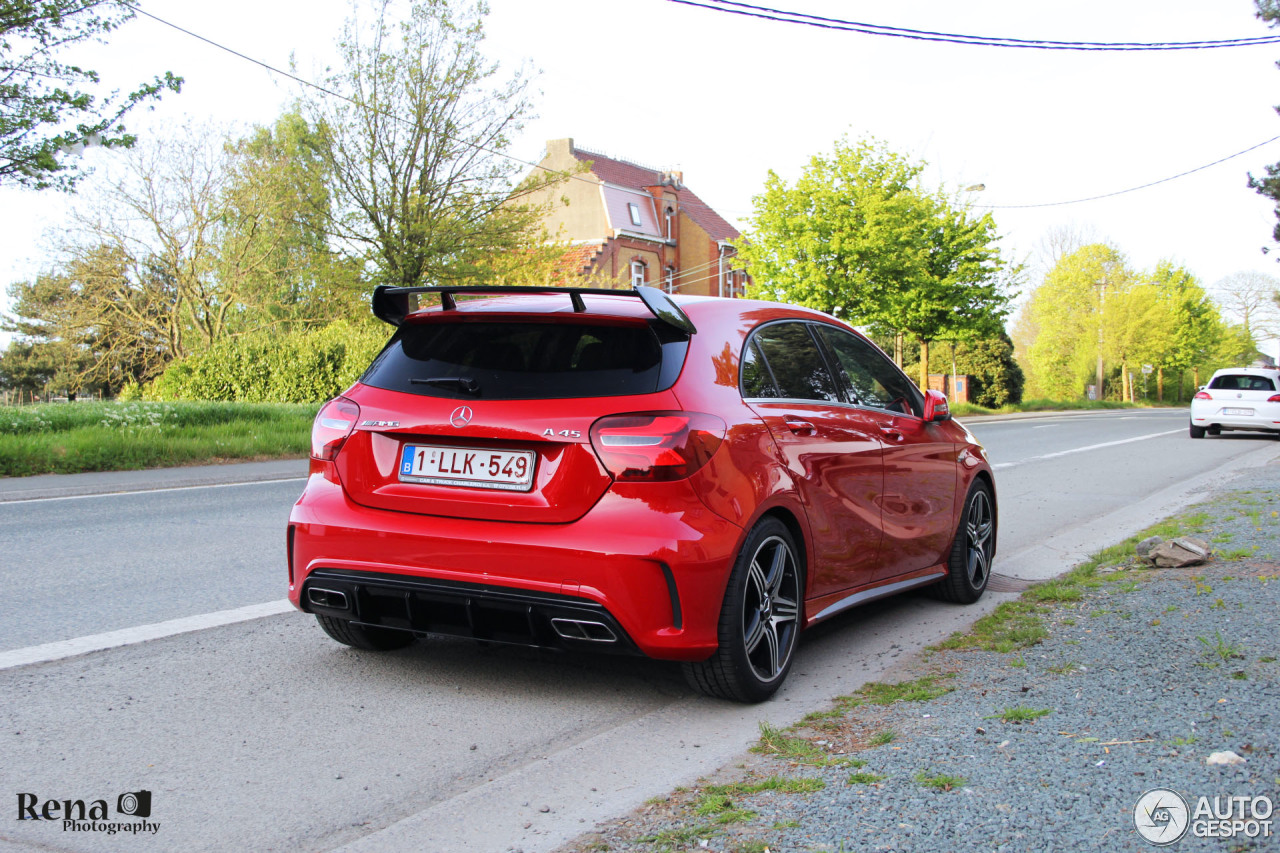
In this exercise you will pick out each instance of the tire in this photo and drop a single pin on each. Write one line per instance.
(759, 619)
(969, 567)
(1197, 432)
(364, 637)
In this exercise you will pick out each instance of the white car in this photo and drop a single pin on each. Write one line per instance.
(1246, 398)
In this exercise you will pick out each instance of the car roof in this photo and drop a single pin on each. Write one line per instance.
(1269, 372)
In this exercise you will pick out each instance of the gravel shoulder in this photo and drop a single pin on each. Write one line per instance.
(1038, 730)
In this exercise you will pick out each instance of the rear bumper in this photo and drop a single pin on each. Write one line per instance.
(1267, 422)
(648, 564)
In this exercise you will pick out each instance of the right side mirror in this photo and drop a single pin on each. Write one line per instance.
(936, 408)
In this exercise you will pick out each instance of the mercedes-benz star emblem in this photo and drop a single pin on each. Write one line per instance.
(461, 416)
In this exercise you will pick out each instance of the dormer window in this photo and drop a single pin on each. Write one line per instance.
(635, 214)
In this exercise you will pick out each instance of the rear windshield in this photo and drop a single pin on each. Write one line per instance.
(528, 360)
(1241, 382)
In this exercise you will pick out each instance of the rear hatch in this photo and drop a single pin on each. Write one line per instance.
(488, 416)
(1240, 394)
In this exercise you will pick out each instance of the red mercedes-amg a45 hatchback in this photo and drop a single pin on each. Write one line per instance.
(692, 479)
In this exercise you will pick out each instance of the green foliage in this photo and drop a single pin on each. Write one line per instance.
(857, 237)
(996, 379)
(301, 366)
(1092, 304)
(51, 108)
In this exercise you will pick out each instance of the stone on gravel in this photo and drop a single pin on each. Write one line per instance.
(1144, 547)
(1225, 759)
(1179, 553)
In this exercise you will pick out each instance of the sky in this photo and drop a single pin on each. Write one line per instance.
(728, 99)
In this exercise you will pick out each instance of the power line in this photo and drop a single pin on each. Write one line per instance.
(1131, 189)
(330, 92)
(783, 16)
(796, 18)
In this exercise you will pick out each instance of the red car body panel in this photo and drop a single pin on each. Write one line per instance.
(873, 498)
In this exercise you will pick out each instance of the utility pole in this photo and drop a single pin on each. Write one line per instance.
(1102, 302)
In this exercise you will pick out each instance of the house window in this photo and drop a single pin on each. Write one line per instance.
(669, 279)
(635, 213)
(638, 269)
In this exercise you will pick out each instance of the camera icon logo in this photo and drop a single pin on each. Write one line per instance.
(134, 803)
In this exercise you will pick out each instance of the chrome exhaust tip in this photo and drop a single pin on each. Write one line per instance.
(581, 629)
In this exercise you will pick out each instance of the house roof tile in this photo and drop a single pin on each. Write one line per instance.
(614, 171)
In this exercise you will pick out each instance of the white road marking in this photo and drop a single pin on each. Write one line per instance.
(17, 498)
(138, 634)
(1061, 453)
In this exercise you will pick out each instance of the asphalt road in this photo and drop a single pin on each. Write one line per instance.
(264, 735)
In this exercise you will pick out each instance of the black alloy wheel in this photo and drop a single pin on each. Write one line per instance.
(972, 550)
(759, 619)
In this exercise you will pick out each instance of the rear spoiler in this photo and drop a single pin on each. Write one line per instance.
(393, 304)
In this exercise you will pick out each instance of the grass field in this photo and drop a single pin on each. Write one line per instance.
(67, 438)
(962, 409)
(63, 438)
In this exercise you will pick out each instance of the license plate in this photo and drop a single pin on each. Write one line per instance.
(480, 468)
(1237, 411)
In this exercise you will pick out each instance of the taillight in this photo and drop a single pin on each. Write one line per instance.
(1274, 398)
(656, 446)
(1204, 395)
(334, 422)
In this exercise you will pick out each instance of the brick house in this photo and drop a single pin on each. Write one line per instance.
(627, 224)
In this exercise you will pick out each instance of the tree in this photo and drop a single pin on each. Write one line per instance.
(1066, 311)
(50, 107)
(279, 204)
(193, 240)
(1254, 298)
(857, 237)
(414, 143)
(995, 378)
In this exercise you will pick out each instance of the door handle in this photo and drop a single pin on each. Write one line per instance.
(800, 427)
(891, 432)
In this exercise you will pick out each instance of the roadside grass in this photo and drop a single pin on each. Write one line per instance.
(1020, 714)
(1014, 625)
(1041, 405)
(1019, 624)
(940, 781)
(879, 693)
(68, 438)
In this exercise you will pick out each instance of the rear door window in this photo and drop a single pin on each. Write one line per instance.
(793, 366)
(527, 360)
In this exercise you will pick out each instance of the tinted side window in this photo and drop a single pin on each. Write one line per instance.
(756, 380)
(869, 378)
(796, 363)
